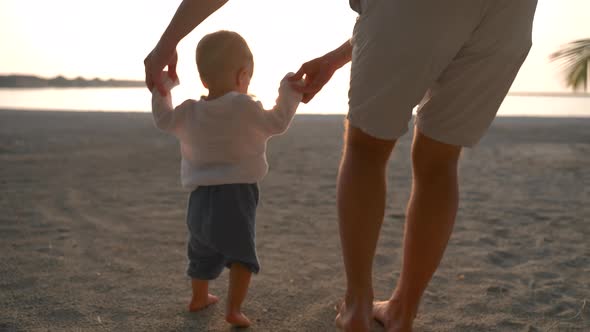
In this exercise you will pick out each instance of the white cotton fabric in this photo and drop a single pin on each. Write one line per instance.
(223, 141)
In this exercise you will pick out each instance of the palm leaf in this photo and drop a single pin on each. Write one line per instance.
(575, 57)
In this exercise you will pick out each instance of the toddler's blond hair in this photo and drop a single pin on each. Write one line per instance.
(220, 55)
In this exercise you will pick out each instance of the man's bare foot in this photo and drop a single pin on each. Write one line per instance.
(384, 312)
(352, 319)
(198, 304)
(237, 319)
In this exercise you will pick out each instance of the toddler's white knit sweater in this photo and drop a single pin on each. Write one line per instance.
(223, 140)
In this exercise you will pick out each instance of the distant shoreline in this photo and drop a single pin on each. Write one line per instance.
(35, 82)
(141, 84)
(550, 94)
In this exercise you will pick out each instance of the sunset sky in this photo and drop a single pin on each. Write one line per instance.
(110, 38)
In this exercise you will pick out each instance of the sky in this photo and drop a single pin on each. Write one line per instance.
(110, 38)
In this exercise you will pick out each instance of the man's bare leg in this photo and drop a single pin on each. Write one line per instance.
(429, 222)
(239, 280)
(361, 206)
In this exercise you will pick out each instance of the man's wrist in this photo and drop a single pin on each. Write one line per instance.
(340, 56)
(166, 45)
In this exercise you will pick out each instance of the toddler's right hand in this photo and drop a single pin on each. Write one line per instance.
(167, 83)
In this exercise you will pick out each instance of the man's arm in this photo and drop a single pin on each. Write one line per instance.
(319, 71)
(189, 14)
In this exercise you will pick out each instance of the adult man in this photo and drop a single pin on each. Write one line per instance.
(457, 60)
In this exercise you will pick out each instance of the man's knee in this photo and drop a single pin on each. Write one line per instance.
(366, 147)
(431, 158)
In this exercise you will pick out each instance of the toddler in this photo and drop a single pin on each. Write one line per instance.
(223, 146)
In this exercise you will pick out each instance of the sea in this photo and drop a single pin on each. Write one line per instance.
(138, 100)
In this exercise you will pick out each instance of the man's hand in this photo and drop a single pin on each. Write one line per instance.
(189, 14)
(155, 63)
(317, 73)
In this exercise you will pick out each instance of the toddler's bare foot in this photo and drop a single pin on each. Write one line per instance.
(201, 303)
(237, 319)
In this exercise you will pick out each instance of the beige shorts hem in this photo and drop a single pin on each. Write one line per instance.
(445, 137)
(385, 133)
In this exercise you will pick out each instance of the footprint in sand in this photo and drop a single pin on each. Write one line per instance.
(397, 216)
(509, 325)
(63, 234)
(504, 258)
(19, 285)
(545, 275)
(50, 250)
(497, 290)
(487, 241)
(8, 327)
(562, 309)
(383, 260)
(66, 315)
(501, 232)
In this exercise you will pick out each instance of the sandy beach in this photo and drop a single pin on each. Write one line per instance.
(92, 229)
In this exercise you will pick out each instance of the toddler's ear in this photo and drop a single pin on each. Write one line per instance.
(204, 84)
(244, 77)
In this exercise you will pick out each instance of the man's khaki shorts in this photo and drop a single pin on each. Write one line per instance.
(456, 59)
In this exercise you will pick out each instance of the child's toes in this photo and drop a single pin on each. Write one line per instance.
(238, 319)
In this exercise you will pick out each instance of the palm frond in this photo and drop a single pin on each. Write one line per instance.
(575, 57)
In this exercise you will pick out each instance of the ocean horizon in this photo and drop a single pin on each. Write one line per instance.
(550, 104)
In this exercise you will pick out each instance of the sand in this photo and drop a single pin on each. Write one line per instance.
(92, 229)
